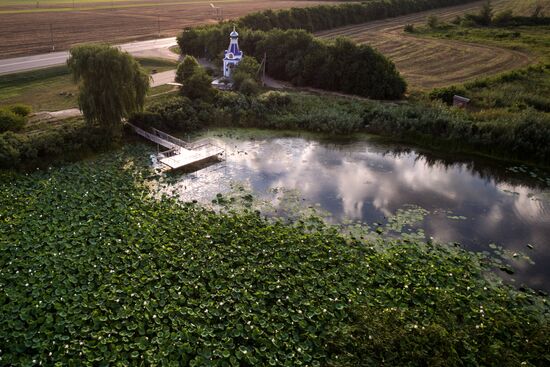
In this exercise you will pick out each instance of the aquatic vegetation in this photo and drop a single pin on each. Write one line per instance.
(95, 270)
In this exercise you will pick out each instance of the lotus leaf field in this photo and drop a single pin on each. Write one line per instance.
(94, 270)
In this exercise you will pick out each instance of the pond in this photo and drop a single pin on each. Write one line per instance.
(480, 203)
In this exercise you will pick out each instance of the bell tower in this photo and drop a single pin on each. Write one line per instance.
(233, 55)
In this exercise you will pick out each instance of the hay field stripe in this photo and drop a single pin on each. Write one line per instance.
(429, 62)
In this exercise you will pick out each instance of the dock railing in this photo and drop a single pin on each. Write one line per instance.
(205, 143)
(188, 152)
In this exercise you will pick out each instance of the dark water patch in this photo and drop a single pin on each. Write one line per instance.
(472, 201)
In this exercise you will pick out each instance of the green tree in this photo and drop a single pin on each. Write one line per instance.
(186, 69)
(190, 43)
(250, 66)
(196, 83)
(246, 76)
(198, 86)
(486, 13)
(112, 84)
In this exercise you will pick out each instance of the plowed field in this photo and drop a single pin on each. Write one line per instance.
(427, 63)
(26, 30)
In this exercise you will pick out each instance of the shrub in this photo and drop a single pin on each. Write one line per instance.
(433, 21)
(522, 136)
(446, 94)
(9, 149)
(20, 109)
(409, 28)
(485, 16)
(146, 120)
(457, 20)
(274, 100)
(503, 18)
(248, 86)
(11, 121)
(68, 139)
(175, 114)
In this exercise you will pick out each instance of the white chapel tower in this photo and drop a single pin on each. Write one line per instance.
(232, 55)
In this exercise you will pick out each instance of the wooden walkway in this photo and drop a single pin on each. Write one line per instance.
(180, 153)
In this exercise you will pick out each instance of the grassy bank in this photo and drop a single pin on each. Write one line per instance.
(53, 89)
(117, 277)
(508, 113)
(522, 136)
(509, 94)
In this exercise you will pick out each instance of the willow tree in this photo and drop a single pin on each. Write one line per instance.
(112, 84)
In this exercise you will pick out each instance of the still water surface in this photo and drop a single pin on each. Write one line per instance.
(472, 201)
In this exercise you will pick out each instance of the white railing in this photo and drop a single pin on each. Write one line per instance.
(154, 138)
(170, 138)
(188, 152)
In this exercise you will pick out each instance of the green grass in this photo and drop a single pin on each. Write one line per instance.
(513, 92)
(44, 90)
(53, 89)
(95, 270)
(509, 114)
(534, 39)
(176, 50)
(160, 65)
(161, 89)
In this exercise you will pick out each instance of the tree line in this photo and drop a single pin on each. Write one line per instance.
(324, 17)
(296, 56)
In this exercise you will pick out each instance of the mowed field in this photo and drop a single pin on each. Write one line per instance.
(26, 29)
(427, 63)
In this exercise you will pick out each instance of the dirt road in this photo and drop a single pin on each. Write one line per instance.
(428, 63)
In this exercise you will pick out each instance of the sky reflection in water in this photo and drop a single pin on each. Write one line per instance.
(367, 181)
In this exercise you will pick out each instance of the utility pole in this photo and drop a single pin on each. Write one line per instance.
(219, 12)
(261, 69)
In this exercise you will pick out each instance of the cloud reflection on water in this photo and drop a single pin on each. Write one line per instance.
(367, 182)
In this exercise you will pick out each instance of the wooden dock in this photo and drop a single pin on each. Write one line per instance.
(181, 154)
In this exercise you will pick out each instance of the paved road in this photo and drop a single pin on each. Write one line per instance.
(157, 47)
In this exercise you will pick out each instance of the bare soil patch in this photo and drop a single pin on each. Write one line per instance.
(29, 33)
